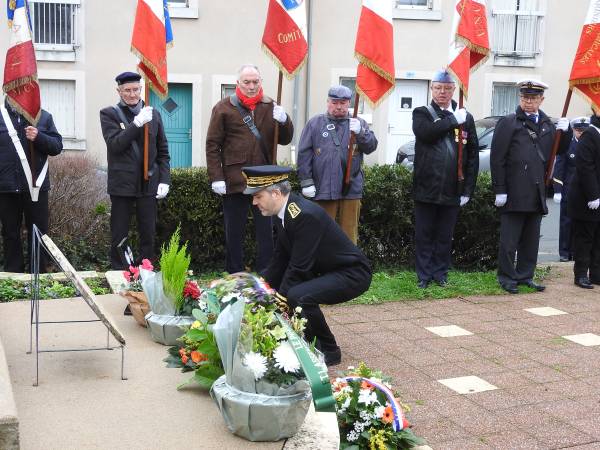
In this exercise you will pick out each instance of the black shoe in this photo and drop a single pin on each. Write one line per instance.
(533, 285)
(422, 284)
(564, 259)
(442, 283)
(127, 311)
(584, 282)
(510, 288)
(332, 357)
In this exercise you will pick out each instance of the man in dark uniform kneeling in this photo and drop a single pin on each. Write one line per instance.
(314, 261)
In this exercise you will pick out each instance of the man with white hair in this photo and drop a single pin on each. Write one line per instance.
(241, 133)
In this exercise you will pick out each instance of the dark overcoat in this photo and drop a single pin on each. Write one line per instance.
(586, 182)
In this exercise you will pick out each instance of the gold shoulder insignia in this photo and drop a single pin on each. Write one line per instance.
(294, 210)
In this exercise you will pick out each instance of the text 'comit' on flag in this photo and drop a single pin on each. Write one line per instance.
(284, 38)
(20, 69)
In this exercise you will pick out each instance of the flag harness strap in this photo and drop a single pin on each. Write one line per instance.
(249, 121)
(34, 190)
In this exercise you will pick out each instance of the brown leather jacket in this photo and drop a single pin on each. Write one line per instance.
(230, 145)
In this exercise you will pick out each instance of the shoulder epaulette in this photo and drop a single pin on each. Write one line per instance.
(294, 210)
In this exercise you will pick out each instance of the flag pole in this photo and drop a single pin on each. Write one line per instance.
(276, 133)
(461, 176)
(147, 97)
(346, 186)
(557, 136)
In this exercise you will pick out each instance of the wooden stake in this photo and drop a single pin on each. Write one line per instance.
(346, 186)
(276, 133)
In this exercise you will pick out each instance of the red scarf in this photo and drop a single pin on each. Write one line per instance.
(249, 102)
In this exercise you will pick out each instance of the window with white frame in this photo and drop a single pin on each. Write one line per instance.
(58, 98)
(517, 28)
(54, 24)
(417, 9)
(227, 90)
(505, 98)
(187, 9)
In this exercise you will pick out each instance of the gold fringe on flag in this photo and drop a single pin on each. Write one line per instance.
(379, 71)
(163, 88)
(280, 66)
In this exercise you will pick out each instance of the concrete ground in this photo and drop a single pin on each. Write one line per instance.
(81, 402)
(523, 378)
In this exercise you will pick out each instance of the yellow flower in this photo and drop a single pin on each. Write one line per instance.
(196, 324)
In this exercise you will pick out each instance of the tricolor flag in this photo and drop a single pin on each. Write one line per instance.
(585, 74)
(284, 38)
(152, 34)
(374, 49)
(20, 69)
(469, 40)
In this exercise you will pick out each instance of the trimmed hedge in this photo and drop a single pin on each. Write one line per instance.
(386, 232)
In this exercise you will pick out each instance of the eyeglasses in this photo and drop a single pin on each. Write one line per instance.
(533, 99)
(443, 88)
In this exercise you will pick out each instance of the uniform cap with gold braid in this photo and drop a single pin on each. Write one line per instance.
(260, 177)
(530, 86)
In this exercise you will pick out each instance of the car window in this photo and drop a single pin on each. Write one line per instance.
(486, 139)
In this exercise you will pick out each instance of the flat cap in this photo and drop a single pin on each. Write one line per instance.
(531, 86)
(260, 177)
(127, 77)
(442, 76)
(339, 93)
(580, 122)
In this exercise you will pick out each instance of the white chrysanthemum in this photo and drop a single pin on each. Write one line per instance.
(285, 358)
(257, 364)
(367, 397)
(379, 412)
(352, 436)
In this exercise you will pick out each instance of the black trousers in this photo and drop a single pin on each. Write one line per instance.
(235, 215)
(13, 207)
(434, 228)
(586, 243)
(565, 238)
(328, 289)
(520, 235)
(121, 211)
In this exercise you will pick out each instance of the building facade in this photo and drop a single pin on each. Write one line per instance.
(82, 44)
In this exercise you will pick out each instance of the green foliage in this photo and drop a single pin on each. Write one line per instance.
(49, 288)
(174, 266)
(386, 230)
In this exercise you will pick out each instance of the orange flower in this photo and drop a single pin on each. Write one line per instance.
(197, 356)
(339, 386)
(181, 351)
(388, 415)
(184, 359)
(366, 385)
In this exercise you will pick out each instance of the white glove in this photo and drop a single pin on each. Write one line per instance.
(279, 113)
(309, 191)
(460, 115)
(162, 191)
(144, 116)
(563, 124)
(464, 200)
(557, 197)
(500, 200)
(594, 204)
(219, 187)
(355, 125)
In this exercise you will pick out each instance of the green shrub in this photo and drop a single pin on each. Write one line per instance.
(386, 231)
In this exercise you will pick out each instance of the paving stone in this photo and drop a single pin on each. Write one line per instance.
(559, 435)
(515, 440)
(462, 444)
(586, 339)
(449, 331)
(543, 374)
(545, 311)
(468, 384)
(439, 430)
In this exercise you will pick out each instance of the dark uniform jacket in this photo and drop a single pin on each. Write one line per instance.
(125, 162)
(323, 163)
(309, 244)
(47, 143)
(435, 176)
(230, 145)
(564, 169)
(586, 183)
(519, 155)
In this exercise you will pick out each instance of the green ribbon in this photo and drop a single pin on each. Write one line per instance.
(315, 370)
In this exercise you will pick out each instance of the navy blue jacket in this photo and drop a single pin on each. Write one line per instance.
(47, 143)
(564, 169)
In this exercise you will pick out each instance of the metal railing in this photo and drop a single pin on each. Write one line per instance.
(54, 24)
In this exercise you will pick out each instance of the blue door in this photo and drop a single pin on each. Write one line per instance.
(176, 112)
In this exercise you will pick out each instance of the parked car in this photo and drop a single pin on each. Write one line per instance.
(485, 131)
